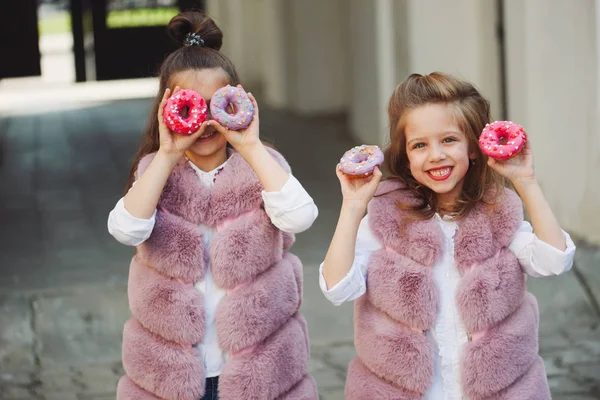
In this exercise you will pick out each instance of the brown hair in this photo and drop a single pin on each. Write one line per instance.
(184, 58)
(471, 112)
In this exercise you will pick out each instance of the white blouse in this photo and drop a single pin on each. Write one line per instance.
(536, 257)
(291, 210)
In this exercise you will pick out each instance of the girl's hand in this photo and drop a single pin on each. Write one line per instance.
(172, 143)
(358, 191)
(519, 169)
(242, 139)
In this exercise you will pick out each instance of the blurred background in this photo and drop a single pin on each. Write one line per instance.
(76, 84)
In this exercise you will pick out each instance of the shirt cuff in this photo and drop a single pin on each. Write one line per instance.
(291, 209)
(291, 196)
(351, 287)
(558, 261)
(126, 228)
(539, 258)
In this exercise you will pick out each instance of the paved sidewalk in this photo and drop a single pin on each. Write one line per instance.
(63, 287)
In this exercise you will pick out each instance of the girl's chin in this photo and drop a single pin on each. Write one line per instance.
(207, 148)
(439, 187)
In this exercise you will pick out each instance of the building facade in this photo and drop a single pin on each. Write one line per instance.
(536, 60)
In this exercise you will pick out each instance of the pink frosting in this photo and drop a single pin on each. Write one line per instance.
(502, 140)
(196, 113)
(361, 160)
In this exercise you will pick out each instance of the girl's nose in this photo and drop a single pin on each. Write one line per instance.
(437, 154)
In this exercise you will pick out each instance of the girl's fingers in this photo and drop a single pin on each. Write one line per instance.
(496, 165)
(199, 132)
(255, 104)
(374, 179)
(376, 175)
(161, 106)
(220, 128)
(166, 95)
(343, 178)
(253, 100)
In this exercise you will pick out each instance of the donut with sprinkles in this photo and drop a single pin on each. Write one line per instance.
(238, 98)
(185, 111)
(502, 140)
(360, 161)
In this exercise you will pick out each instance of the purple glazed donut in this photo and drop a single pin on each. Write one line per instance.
(243, 106)
(360, 161)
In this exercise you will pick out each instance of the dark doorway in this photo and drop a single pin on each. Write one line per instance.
(112, 39)
(130, 39)
(19, 39)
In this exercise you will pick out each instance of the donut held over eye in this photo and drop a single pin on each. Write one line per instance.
(185, 111)
(237, 98)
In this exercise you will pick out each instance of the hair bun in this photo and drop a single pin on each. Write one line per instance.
(195, 22)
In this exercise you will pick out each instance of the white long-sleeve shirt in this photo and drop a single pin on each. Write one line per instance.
(536, 257)
(291, 210)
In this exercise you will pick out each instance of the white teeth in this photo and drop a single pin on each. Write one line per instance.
(440, 172)
(207, 135)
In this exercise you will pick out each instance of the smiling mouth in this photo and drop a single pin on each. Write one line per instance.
(440, 174)
(208, 135)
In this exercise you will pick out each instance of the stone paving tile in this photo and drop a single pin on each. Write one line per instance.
(572, 358)
(334, 394)
(16, 335)
(16, 393)
(78, 328)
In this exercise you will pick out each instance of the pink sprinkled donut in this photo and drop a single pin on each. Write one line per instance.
(360, 161)
(502, 140)
(185, 111)
(243, 105)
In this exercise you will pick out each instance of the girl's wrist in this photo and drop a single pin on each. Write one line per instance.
(523, 185)
(354, 207)
(170, 158)
(252, 152)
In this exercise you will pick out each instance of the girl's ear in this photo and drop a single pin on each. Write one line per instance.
(472, 158)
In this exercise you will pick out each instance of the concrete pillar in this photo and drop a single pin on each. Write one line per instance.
(296, 51)
(274, 53)
(552, 63)
(515, 50)
(457, 37)
(597, 24)
(372, 68)
(386, 61)
(241, 23)
(317, 61)
(401, 42)
(391, 39)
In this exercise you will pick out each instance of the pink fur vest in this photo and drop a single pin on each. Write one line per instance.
(395, 356)
(258, 322)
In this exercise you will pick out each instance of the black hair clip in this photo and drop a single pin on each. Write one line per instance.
(193, 39)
